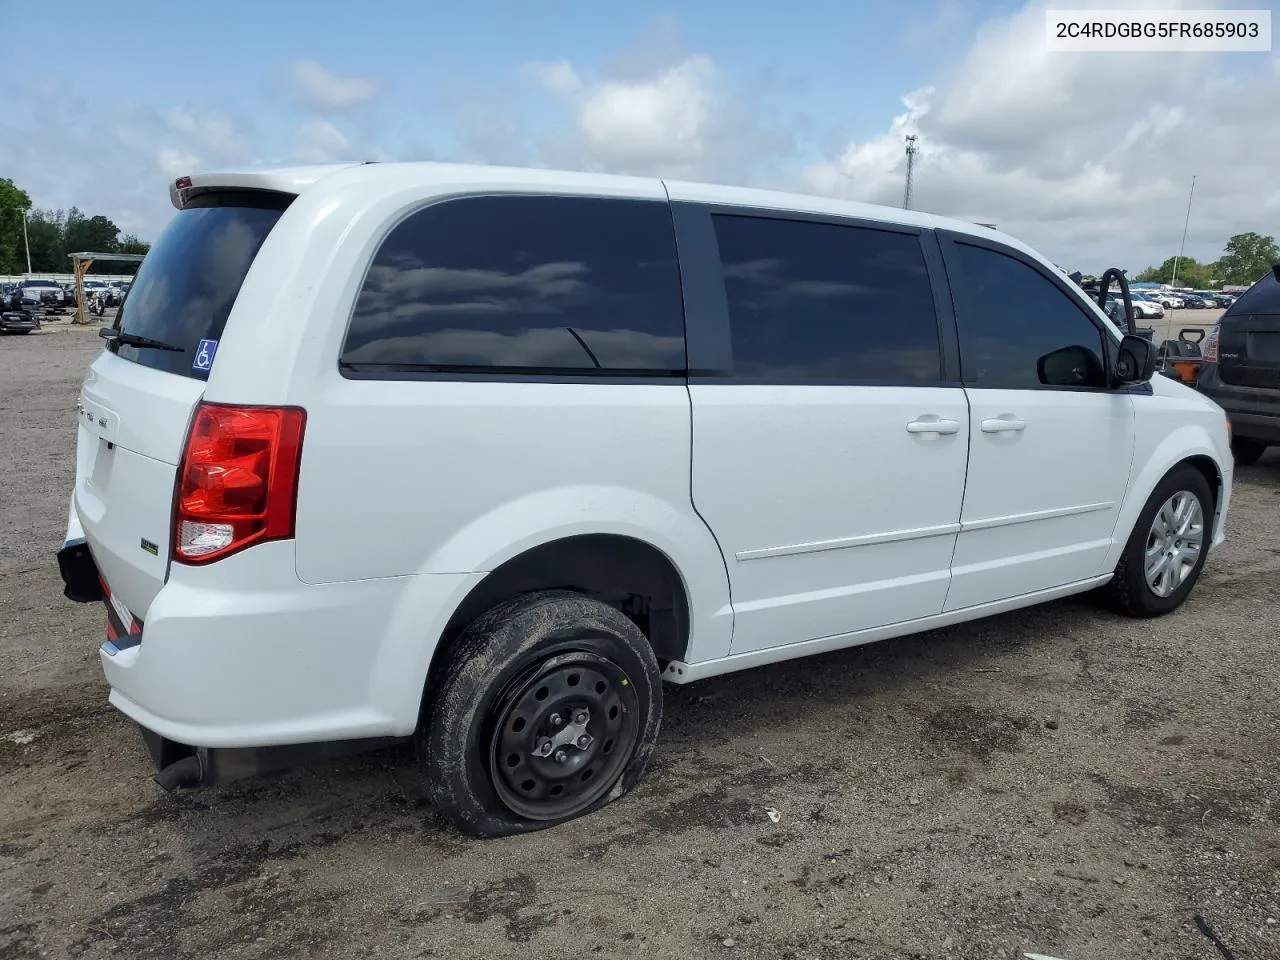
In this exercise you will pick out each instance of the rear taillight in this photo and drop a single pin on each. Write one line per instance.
(237, 480)
(1211, 345)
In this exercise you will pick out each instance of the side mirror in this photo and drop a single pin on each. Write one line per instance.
(1135, 360)
(1071, 367)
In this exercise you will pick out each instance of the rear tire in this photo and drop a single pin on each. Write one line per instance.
(548, 708)
(1167, 549)
(1247, 451)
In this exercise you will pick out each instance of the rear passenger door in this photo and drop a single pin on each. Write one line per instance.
(829, 434)
(1051, 445)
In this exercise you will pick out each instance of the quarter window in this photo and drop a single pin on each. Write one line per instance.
(556, 285)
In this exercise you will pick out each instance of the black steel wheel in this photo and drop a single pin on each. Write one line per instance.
(546, 708)
(561, 734)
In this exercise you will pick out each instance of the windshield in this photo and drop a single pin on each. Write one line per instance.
(38, 283)
(190, 279)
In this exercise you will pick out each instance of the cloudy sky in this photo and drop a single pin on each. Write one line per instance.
(1086, 156)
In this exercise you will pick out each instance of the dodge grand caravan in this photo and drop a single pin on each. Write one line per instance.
(481, 456)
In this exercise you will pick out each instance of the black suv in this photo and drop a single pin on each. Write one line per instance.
(1242, 368)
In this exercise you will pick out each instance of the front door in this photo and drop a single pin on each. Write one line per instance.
(1051, 445)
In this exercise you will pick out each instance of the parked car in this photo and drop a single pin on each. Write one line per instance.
(1193, 302)
(1148, 308)
(1241, 371)
(1169, 301)
(1215, 299)
(14, 317)
(593, 450)
(38, 292)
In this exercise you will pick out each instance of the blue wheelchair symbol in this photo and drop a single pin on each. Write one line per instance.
(204, 355)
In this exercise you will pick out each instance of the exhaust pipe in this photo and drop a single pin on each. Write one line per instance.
(187, 772)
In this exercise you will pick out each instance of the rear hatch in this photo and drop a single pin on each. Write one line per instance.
(137, 401)
(1249, 337)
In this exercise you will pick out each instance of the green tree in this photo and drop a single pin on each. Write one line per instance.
(44, 233)
(94, 234)
(131, 244)
(1247, 257)
(1190, 273)
(14, 203)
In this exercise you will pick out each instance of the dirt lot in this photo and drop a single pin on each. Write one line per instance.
(1057, 780)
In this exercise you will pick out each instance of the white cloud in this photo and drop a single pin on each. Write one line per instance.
(319, 141)
(175, 163)
(1086, 156)
(559, 76)
(672, 117)
(323, 90)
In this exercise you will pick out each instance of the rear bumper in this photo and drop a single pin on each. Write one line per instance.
(13, 323)
(180, 765)
(1254, 411)
(243, 654)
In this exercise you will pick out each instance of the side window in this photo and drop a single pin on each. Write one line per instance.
(817, 301)
(1019, 329)
(524, 284)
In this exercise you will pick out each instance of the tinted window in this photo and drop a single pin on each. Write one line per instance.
(816, 301)
(1020, 329)
(187, 284)
(534, 284)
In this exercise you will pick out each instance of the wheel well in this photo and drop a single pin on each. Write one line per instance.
(625, 573)
(1209, 470)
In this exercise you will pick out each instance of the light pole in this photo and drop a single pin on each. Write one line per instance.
(1174, 282)
(25, 242)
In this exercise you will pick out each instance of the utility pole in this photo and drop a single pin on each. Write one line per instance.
(1174, 281)
(25, 241)
(911, 163)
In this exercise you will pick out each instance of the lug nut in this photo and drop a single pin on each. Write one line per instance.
(544, 748)
(580, 717)
(556, 719)
(584, 741)
(561, 756)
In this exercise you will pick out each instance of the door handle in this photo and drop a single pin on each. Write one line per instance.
(934, 425)
(1003, 424)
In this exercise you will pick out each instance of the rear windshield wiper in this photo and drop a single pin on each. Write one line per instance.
(133, 340)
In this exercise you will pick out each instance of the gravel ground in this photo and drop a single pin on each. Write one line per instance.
(1056, 780)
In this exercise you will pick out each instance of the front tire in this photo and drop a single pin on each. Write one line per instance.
(548, 708)
(1166, 551)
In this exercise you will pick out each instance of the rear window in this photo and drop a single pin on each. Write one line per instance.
(1262, 298)
(190, 279)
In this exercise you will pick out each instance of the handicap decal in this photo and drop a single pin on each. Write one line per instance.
(204, 355)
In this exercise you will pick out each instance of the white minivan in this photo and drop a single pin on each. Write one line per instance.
(481, 456)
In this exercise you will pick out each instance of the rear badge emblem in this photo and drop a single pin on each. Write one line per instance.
(150, 547)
